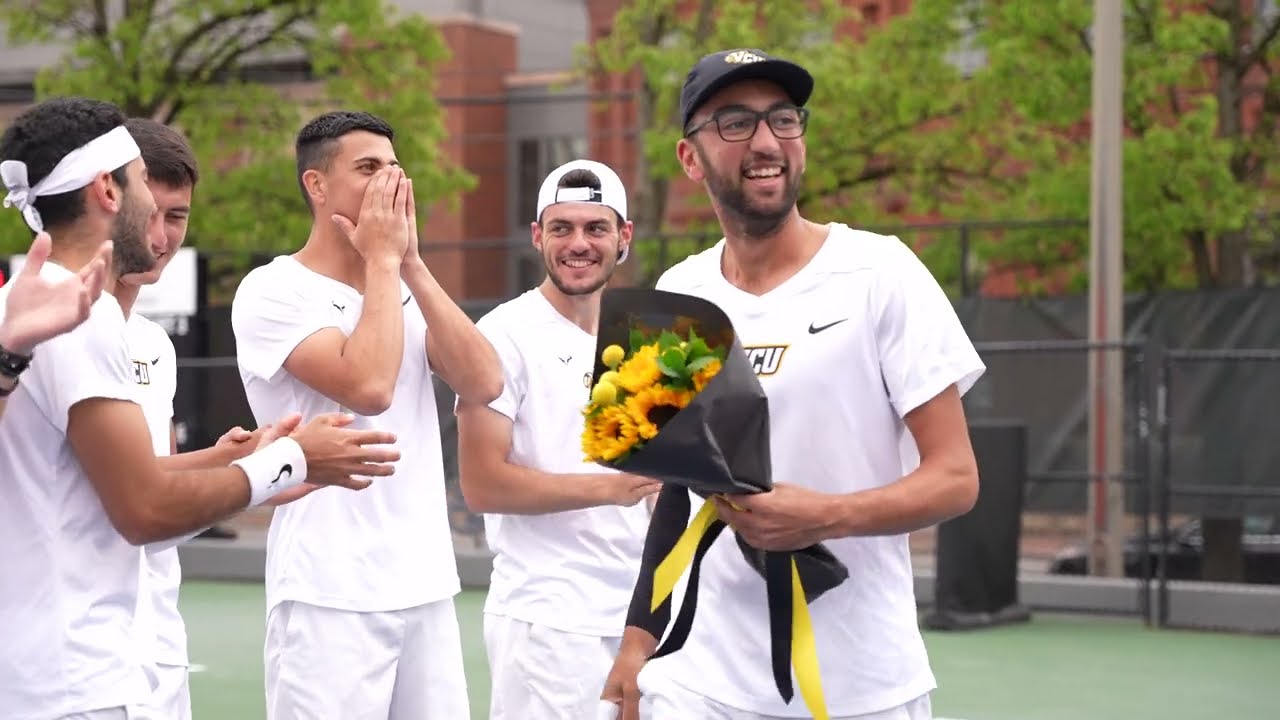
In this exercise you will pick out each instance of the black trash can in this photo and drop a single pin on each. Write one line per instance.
(976, 567)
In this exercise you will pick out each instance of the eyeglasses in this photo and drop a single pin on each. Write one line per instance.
(740, 124)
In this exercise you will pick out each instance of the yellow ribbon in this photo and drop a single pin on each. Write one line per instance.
(804, 650)
(678, 560)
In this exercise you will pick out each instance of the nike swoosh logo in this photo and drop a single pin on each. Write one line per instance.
(156, 361)
(340, 307)
(566, 360)
(815, 329)
(286, 471)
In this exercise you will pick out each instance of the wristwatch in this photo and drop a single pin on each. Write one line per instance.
(12, 365)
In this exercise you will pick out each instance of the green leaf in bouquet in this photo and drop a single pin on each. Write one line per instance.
(668, 340)
(672, 363)
(700, 364)
(637, 339)
(698, 348)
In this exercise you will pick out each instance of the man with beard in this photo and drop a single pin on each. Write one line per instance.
(37, 310)
(566, 535)
(82, 485)
(360, 596)
(867, 432)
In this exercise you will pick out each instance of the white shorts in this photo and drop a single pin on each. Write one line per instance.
(540, 673)
(401, 665)
(662, 699)
(171, 698)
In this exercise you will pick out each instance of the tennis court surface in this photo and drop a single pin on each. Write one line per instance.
(1057, 667)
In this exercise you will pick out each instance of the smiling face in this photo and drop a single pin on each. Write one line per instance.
(173, 207)
(754, 182)
(580, 244)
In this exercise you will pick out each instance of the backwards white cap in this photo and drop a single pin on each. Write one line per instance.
(611, 193)
(105, 153)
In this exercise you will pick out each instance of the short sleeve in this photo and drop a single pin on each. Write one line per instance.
(89, 362)
(923, 348)
(270, 318)
(168, 368)
(514, 377)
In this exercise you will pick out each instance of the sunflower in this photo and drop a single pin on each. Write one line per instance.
(640, 370)
(610, 433)
(703, 376)
(656, 404)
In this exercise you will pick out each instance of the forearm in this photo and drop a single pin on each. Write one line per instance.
(375, 349)
(186, 501)
(208, 458)
(932, 494)
(510, 489)
(457, 351)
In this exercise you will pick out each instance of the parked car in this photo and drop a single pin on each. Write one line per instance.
(1261, 548)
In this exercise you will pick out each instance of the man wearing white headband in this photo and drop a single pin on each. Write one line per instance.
(83, 487)
(566, 535)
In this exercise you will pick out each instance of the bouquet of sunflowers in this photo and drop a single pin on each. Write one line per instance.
(674, 398)
(644, 387)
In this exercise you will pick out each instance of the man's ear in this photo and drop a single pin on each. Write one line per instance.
(313, 181)
(688, 157)
(535, 231)
(105, 192)
(625, 235)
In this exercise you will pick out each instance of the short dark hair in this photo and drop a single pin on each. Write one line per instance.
(166, 152)
(47, 132)
(317, 142)
(583, 178)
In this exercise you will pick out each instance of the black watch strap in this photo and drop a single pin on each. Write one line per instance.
(11, 363)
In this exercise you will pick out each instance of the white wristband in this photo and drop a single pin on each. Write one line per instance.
(273, 469)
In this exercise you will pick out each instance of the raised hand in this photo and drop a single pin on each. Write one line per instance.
(412, 254)
(38, 310)
(340, 456)
(381, 233)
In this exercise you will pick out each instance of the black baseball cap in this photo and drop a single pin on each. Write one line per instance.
(718, 70)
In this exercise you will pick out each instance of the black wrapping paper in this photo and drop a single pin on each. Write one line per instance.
(719, 444)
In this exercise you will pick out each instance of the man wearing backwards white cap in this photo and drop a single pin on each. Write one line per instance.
(81, 482)
(566, 535)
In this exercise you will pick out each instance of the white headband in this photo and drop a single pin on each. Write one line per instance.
(105, 153)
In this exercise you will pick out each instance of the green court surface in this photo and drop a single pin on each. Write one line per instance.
(1054, 668)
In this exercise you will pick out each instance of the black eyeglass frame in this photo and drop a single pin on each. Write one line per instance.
(802, 112)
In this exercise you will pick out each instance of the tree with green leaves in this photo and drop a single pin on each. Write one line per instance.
(870, 103)
(184, 63)
(1195, 161)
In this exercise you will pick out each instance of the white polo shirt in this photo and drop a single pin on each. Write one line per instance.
(155, 371)
(70, 585)
(844, 349)
(573, 571)
(389, 546)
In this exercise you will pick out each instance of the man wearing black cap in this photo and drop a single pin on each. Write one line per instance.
(864, 363)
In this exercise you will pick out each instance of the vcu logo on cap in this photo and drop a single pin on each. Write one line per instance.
(742, 57)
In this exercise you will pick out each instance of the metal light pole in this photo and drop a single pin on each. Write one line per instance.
(1106, 294)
